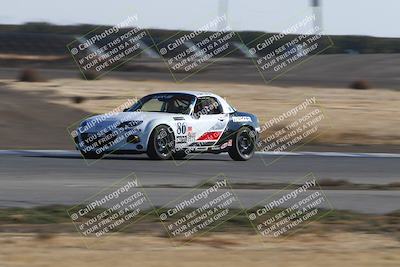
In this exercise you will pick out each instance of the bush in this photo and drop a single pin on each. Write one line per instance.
(30, 75)
(360, 85)
(78, 99)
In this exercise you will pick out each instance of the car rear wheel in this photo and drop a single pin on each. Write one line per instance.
(161, 143)
(243, 145)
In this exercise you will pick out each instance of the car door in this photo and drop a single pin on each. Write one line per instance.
(209, 122)
(181, 121)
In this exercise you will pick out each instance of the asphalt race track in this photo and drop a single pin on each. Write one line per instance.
(30, 178)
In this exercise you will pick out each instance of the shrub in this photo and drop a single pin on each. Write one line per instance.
(360, 85)
(30, 75)
(78, 99)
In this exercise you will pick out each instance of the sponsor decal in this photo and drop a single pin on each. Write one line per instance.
(212, 135)
(191, 138)
(226, 144)
(181, 139)
(241, 118)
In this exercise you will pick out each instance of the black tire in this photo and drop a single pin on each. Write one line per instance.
(161, 143)
(243, 145)
(91, 155)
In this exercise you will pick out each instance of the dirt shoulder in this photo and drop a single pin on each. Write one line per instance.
(325, 249)
(45, 236)
(29, 120)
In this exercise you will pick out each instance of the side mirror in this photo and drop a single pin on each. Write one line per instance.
(125, 109)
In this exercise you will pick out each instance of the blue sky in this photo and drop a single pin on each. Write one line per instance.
(359, 17)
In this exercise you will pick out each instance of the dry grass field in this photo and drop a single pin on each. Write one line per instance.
(356, 116)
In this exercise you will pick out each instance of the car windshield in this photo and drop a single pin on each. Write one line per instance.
(168, 103)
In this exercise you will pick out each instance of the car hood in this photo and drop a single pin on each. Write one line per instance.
(99, 122)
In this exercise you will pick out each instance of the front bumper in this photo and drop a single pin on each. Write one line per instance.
(111, 141)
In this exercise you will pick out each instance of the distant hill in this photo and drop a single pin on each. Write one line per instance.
(39, 38)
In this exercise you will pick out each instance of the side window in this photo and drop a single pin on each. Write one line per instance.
(179, 105)
(207, 106)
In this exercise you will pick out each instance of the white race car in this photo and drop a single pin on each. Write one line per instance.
(171, 125)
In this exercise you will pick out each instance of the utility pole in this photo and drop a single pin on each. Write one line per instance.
(223, 11)
(317, 10)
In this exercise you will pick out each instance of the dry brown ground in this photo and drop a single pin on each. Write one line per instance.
(356, 116)
(342, 249)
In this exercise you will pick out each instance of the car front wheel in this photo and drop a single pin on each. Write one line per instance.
(161, 143)
(243, 147)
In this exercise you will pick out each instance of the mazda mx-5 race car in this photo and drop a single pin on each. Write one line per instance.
(171, 125)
